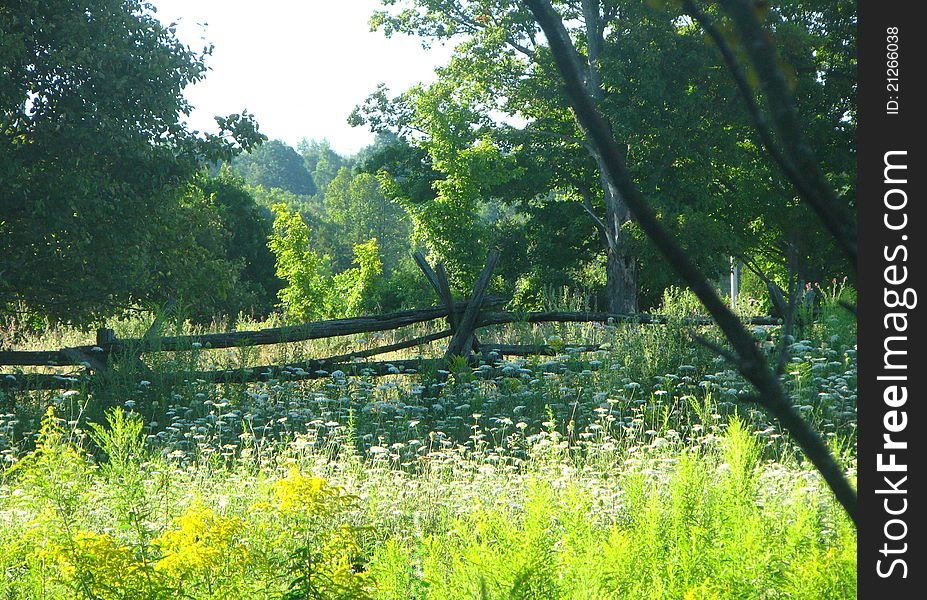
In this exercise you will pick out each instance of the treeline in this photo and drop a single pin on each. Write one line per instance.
(332, 235)
(110, 203)
(673, 82)
(339, 245)
(342, 230)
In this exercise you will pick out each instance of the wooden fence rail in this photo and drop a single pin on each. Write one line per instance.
(462, 317)
(78, 355)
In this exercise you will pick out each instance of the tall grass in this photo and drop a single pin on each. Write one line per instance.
(632, 472)
(711, 521)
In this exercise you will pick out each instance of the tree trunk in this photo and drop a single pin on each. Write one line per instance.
(735, 282)
(621, 266)
(621, 283)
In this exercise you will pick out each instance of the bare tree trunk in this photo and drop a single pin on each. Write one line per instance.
(621, 266)
(621, 283)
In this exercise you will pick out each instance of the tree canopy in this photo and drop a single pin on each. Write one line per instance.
(94, 158)
(276, 165)
(105, 204)
(663, 86)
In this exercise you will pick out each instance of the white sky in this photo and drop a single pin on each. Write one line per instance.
(300, 66)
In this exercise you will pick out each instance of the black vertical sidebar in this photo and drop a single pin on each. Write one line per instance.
(892, 262)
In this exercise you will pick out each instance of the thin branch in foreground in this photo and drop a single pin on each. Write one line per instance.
(717, 349)
(753, 109)
(820, 196)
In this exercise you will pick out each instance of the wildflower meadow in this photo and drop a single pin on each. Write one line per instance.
(640, 473)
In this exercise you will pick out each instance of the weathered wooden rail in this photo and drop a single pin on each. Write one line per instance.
(276, 335)
(79, 355)
(463, 319)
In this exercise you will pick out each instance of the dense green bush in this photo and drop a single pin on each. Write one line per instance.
(312, 292)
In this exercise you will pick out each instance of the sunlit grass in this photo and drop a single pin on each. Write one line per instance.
(633, 472)
(674, 520)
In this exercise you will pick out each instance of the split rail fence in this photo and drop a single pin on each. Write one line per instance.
(463, 319)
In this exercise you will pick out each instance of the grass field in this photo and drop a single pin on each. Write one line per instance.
(633, 472)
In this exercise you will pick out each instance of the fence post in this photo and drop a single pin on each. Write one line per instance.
(463, 338)
(95, 361)
(105, 338)
(440, 286)
(437, 277)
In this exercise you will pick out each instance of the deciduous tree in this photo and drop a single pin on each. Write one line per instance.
(276, 165)
(94, 158)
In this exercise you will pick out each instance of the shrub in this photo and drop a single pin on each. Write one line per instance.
(312, 292)
(308, 289)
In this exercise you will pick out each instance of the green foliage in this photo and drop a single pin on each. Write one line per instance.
(357, 290)
(94, 159)
(528, 294)
(321, 161)
(273, 164)
(696, 533)
(404, 170)
(352, 210)
(310, 206)
(633, 472)
(312, 292)
(405, 287)
(123, 445)
(218, 264)
(56, 471)
(754, 295)
(306, 295)
(717, 524)
(836, 323)
(451, 226)
(450, 182)
(358, 211)
(247, 227)
(678, 302)
(692, 149)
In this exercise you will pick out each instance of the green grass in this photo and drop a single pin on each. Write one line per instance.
(677, 521)
(634, 472)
